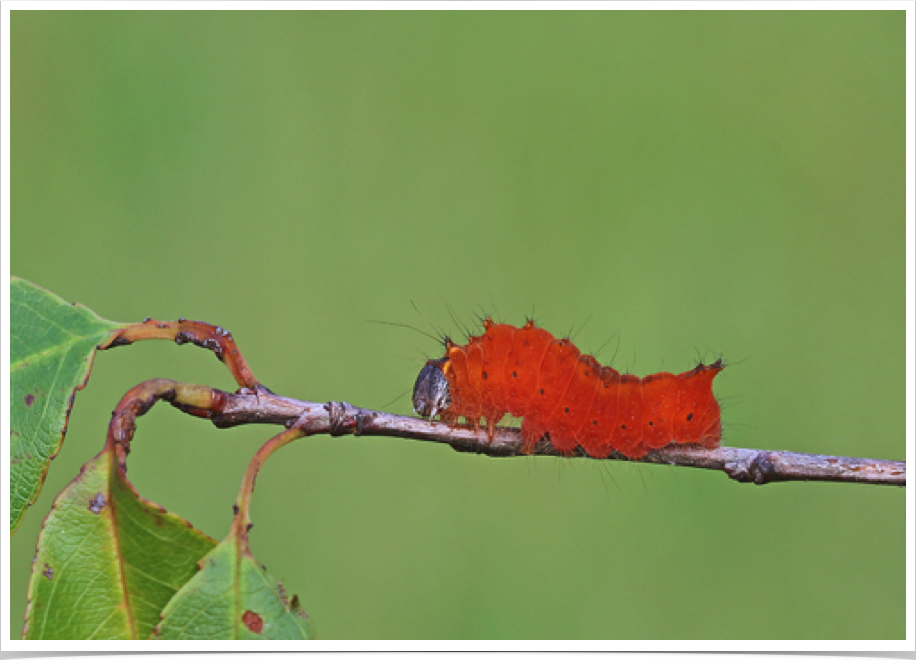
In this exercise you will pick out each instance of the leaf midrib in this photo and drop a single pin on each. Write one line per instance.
(54, 323)
(58, 348)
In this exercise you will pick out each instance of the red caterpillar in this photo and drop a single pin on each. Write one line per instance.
(528, 373)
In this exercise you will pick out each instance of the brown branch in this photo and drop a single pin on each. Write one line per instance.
(255, 404)
(745, 465)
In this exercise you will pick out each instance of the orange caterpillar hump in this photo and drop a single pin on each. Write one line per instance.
(558, 390)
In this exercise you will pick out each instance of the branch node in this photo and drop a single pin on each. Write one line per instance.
(760, 469)
(341, 422)
(363, 419)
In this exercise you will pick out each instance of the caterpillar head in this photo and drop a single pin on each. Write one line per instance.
(430, 392)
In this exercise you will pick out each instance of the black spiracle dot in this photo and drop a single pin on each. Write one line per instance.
(651, 424)
(484, 375)
(689, 416)
(594, 422)
(566, 410)
(514, 375)
(542, 392)
(623, 426)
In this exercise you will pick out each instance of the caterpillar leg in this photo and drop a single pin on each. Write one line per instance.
(530, 435)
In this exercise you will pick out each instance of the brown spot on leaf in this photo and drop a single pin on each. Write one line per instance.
(48, 572)
(253, 622)
(29, 400)
(97, 503)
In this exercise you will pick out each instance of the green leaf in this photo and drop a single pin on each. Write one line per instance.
(108, 561)
(52, 345)
(233, 597)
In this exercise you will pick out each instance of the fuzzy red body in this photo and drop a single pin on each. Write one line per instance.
(556, 389)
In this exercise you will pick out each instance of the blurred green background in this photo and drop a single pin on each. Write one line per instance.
(685, 185)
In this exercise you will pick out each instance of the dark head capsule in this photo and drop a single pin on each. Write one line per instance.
(430, 392)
